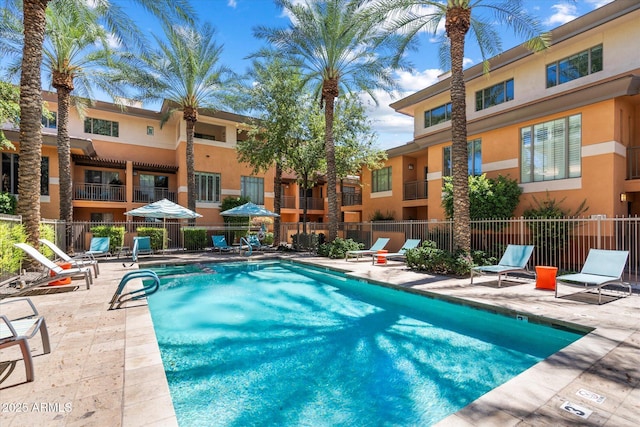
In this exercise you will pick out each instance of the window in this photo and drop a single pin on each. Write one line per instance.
(10, 164)
(204, 136)
(494, 95)
(253, 188)
(101, 127)
(150, 130)
(101, 217)
(101, 177)
(576, 66)
(381, 180)
(207, 187)
(153, 187)
(551, 150)
(474, 149)
(437, 115)
(50, 122)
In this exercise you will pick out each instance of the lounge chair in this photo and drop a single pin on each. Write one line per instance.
(220, 244)
(99, 246)
(75, 262)
(53, 271)
(602, 267)
(19, 330)
(141, 246)
(401, 254)
(377, 246)
(514, 259)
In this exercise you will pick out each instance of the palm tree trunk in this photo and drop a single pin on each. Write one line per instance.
(329, 94)
(64, 163)
(277, 203)
(191, 174)
(30, 119)
(457, 26)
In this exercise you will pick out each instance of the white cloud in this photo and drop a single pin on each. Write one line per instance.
(232, 3)
(564, 12)
(598, 3)
(467, 62)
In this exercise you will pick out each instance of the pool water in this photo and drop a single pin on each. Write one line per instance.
(280, 344)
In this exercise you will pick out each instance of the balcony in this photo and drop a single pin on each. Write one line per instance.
(152, 194)
(102, 192)
(414, 190)
(313, 203)
(351, 199)
(288, 202)
(633, 163)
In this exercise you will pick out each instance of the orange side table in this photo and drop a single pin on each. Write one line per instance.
(546, 277)
(63, 281)
(381, 259)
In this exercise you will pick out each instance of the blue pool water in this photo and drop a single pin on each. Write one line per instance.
(279, 344)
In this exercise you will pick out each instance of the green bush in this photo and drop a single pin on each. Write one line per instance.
(158, 236)
(339, 247)
(489, 198)
(268, 239)
(8, 204)
(114, 233)
(379, 216)
(47, 232)
(10, 256)
(195, 239)
(432, 260)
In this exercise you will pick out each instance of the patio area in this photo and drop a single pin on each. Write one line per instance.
(105, 367)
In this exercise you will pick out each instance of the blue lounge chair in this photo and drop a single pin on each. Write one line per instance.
(53, 271)
(19, 330)
(99, 247)
(514, 259)
(602, 267)
(377, 246)
(75, 262)
(141, 246)
(220, 244)
(401, 254)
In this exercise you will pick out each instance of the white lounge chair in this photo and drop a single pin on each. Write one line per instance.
(514, 259)
(19, 330)
(377, 246)
(401, 254)
(602, 267)
(54, 271)
(75, 262)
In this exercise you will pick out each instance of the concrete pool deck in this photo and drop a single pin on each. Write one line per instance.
(105, 367)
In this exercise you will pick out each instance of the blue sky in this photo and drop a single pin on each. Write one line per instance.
(234, 21)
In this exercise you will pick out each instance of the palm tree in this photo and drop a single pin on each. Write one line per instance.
(34, 24)
(409, 17)
(184, 70)
(337, 51)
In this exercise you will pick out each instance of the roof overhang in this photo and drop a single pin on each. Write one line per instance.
(78, 145)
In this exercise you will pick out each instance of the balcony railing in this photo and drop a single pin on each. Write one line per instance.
(414, 190)
(288, 202)
(633, 166)
(103, 192)
(152, 194)
(351, 199)
(313, 203)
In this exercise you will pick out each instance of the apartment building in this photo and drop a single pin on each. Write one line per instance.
(564, 121)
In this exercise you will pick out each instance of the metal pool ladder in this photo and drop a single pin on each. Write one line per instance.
(119, 298)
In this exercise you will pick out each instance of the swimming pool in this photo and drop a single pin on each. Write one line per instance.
(281, 344)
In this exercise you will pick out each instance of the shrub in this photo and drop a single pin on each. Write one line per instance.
(489, 198)
(47, 232)
(195, 239)
(114, 233)
(10, 256)
(379, 216)
(8, 204)
(158, 236)
(338, 248)
(430, 259)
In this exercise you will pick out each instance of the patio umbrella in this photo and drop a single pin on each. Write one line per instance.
(250, 210)
(163, 209)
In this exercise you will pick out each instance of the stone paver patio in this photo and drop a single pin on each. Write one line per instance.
(105, 367)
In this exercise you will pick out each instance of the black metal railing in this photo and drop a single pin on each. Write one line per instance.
(152, 194)
(313, 203)
(633, 163)
(102, 192)
(351, 199)
(414, 190)
(288, 202)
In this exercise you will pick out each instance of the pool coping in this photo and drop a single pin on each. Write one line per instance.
(600, 362)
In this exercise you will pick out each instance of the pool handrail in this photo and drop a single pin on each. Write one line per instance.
(120, 298)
